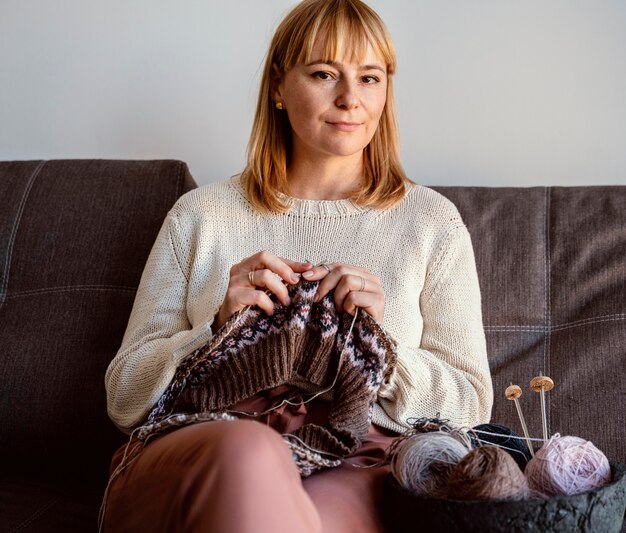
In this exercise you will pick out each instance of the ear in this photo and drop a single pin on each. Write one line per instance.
(276, 79)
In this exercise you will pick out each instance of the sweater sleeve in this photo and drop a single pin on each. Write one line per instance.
(448, 374)
(158, 334)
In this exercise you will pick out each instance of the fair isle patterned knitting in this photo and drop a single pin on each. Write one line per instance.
(254, 352)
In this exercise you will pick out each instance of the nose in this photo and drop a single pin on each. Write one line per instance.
(348, 97)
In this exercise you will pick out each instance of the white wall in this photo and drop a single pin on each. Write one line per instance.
(490, 92)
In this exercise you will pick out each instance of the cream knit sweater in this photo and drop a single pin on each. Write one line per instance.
(420, 249)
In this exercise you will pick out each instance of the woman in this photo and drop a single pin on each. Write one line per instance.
(323, 198)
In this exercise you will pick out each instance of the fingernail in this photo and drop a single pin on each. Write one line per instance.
(308, 274)
(294, 278)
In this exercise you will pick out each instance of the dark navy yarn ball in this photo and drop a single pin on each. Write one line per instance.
(505, 438)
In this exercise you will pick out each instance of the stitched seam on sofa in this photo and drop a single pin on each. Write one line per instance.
(558, 327)
(34, 516)
(16, 224)
(548, 297)
(71, 289)
(593, 320)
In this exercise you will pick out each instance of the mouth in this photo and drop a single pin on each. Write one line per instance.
(344, 126)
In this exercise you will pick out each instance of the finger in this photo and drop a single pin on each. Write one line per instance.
(246, 297)
(266, 279)
(334, 277)
(274, 263)
(348, 284)
(372, 303)
(318, 272)
(298, 266)
(237, 298)
(262, 300)
(355, 283)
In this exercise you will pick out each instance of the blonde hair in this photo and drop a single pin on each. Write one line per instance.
(348, 27)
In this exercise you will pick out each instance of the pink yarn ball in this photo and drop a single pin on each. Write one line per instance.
(567, 465)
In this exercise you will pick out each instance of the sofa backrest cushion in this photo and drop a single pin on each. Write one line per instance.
(552, 270)
(74, 238)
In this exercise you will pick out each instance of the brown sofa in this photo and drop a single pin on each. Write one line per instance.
(75, 234)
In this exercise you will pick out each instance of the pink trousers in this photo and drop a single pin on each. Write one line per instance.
(239, 476)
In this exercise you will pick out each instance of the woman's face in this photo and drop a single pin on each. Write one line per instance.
(333, 108)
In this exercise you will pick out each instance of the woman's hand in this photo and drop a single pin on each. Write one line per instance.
(354, 287)
(252, 277)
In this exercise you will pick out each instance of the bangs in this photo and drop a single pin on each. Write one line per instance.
(347, 28)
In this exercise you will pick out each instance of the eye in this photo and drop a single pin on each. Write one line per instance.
(370, 79)
(322, 75)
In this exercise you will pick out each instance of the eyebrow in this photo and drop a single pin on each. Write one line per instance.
(337, 65)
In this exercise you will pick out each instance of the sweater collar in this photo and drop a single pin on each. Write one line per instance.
(298, 206)
(301, 207)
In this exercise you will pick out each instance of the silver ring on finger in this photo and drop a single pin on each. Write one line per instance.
(362, 284)
(326, 267)
(251, 277)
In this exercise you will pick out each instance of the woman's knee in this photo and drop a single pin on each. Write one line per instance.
(250, 445)
(242, 444)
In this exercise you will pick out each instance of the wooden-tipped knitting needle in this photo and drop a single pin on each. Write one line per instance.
(513, 392)
(542, 384)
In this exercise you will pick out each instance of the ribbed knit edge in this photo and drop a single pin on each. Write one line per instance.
(348, 416)
(266, 364)
(322, 440)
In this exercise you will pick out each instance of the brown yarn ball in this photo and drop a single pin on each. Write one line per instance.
(487, 473)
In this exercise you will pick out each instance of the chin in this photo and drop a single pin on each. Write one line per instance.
(345, 150)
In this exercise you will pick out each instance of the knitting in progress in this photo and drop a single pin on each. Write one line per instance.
(333, 352)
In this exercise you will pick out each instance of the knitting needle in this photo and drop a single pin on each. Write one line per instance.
(542, 384)
(513, 392)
